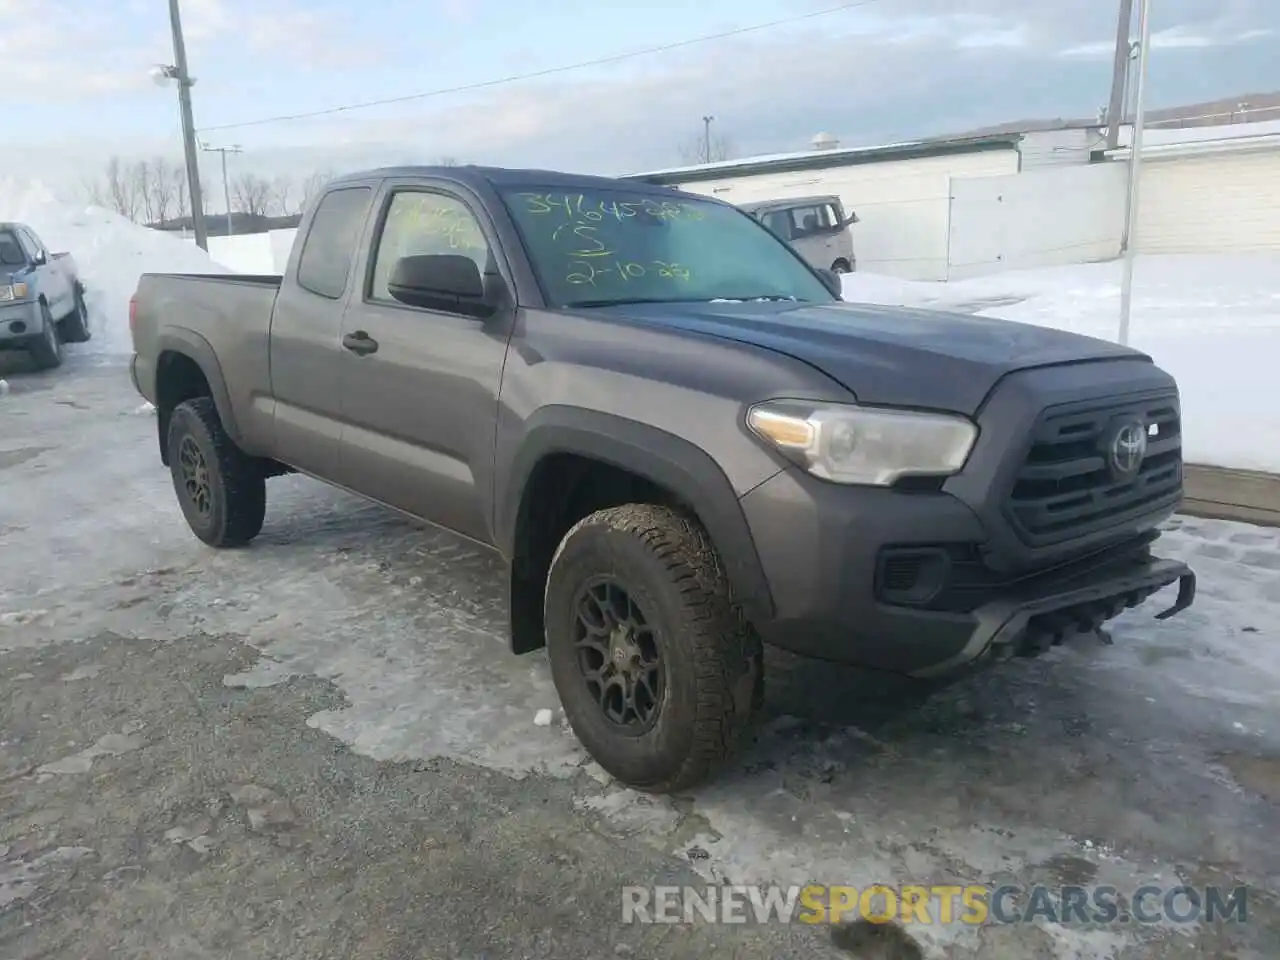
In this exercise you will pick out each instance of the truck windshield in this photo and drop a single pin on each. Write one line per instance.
(595, 247)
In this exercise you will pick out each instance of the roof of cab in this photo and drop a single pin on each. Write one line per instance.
(471, 175)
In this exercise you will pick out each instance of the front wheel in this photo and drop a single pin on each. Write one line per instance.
(841, 266)
(46, 350)
(658, 673)
(222, 492)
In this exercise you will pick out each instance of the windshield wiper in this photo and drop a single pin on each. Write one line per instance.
(619, 301)
(772, 298)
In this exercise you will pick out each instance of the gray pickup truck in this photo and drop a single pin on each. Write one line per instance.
(676, 435)
(41, 298)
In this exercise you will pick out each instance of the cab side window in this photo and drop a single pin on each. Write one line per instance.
(811, 220)
(780, 223)
(32, 246)
(325, 264)
(420, 222)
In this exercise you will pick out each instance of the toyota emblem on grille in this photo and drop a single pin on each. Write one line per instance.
(1128, 447)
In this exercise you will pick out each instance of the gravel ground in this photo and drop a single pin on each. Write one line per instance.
(320, 747)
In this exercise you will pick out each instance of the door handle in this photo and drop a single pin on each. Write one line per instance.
(360, 343)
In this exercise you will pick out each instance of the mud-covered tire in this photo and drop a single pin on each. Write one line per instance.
(75, 325)
(230, 510)
(712, 658)
(46, 349)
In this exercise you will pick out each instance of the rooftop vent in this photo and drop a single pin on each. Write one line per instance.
(825, 141)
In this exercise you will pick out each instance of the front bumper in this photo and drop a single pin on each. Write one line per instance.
(19, 323)
(1041, 614)
(821, 549)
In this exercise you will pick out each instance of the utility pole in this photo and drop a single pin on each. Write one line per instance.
(226, 184)
(1119, 74)
(706, 139)
(184, 80)
(1135, 170)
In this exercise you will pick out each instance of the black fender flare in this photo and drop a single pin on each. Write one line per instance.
(194, 347)
(661, 457)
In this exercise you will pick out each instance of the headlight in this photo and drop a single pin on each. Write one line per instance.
(16, 291)
(865, 445)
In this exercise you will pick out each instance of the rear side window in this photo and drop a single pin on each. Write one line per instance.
(325, 264)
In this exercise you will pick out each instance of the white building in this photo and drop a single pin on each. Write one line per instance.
(901, 192)
(950, 208)
(1208, 189)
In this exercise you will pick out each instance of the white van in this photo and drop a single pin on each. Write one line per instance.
(815, 226)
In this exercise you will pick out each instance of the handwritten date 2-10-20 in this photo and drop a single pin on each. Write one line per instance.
(587, 271)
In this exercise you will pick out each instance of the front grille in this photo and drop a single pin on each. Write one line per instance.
(1067, 486)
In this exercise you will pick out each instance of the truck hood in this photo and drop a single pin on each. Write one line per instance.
(892, 356)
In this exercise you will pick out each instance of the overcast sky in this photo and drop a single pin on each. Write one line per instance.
(76, 75)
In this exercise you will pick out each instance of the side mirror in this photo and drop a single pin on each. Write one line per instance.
(39, 259)
(440, 282)
(831, 280)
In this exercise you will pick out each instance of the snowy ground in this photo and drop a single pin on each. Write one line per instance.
(1211, 321)
(325, 733)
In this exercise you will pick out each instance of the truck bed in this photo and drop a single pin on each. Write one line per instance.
(226, 315)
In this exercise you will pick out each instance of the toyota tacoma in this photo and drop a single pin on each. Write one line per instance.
(677, 435)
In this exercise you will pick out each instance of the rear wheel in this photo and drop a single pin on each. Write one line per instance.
(75, 325)
(658, 673)
(46, 349)
(222, 492)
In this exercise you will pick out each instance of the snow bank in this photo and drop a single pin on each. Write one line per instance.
(110, 252)
(1211, 321)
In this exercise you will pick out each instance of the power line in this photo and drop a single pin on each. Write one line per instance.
(518, 77)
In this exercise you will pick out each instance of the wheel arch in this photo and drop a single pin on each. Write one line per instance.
(659, 466)
(187, 367)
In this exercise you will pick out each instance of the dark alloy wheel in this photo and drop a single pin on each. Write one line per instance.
(195, 477)
(222, 491)
(619, 656)
(659, 674)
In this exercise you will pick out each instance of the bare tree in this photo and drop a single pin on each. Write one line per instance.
(251, 194)
(446, 161)
(119, 191)
(94, 191)
(698, 149)
(182, 196)
(165, 182)
(142, 177)
(283, 193)
(311, 187)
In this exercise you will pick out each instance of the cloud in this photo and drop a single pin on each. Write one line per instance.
(36, 57)
(894, 71)
(298, 33)
(881, 79)
(1174, 38)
